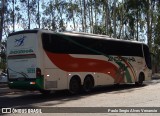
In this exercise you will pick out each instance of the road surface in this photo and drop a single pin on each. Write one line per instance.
(127, 96)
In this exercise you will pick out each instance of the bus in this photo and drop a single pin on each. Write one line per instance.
(49, 61)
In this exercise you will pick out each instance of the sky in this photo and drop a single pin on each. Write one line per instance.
(20, 25)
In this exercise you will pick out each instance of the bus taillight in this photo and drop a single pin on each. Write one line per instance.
(38, 72)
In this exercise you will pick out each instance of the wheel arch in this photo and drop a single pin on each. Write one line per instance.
(76, 77)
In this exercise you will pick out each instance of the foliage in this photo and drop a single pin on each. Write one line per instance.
(126, 19)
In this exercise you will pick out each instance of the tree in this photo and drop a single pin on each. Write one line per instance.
(72, 12)
(149, 16)
(38, 14)
(114, 19)
(29, 7)
(106, 16)
(2, 11)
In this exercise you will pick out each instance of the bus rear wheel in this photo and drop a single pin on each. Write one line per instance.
(75, 85)
(88, 84)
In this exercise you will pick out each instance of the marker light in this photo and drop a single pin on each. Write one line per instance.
(38, 72)
(32, 83)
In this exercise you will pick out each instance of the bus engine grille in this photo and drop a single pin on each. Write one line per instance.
(51, 84)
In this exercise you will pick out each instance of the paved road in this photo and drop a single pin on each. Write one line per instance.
(110, 96)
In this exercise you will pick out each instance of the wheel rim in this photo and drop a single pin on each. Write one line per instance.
(141, 79)
(88, 85)
(74, 86)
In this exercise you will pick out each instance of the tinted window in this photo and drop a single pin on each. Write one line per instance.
(65, 44)
(81, 45)
(147, 56)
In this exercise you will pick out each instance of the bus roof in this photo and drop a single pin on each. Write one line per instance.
(97, 36)
(23, 31)
(73, 33)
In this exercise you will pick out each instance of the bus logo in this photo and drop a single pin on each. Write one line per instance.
(20, 41)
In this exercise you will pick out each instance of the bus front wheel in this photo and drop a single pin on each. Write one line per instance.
(140, 79)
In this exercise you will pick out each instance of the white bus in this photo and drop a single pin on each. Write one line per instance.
(49, 61)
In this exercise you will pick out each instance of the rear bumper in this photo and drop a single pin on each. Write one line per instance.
(36, 84)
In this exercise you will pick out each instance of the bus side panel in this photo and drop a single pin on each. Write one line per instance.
(103, 79)
(54, 78)
(127, 68)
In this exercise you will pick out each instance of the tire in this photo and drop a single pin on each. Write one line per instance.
(74, 86)
(88, 84)
(140, 79)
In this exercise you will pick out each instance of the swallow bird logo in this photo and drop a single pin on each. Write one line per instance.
(20, 41)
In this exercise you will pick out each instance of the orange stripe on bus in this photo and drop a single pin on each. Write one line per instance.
(70, 64)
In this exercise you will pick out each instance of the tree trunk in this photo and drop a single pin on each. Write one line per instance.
(39, 25)
(2, 19)
(82, 16)
(74, 25)
(13, 17)
(84, 13)
(95, 17)
(28, 15)
(121, 21)
(114, 19)
(137, 24)
(149, 32)
(91, 14)
(106, 16)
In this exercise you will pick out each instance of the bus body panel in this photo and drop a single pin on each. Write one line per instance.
(133, 66)
(58, 64)
(22, 61)
(22, 68)
(22, 56)
(55, 79)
